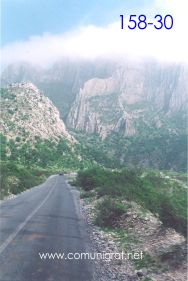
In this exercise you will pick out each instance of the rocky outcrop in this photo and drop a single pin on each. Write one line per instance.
(115, 103)
(26, 114)
(61, 82)
(105, 96)
(163, 249)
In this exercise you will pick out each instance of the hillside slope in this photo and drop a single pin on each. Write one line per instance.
(60, 82)
(105, 96)
(27, 114)
(132, 112)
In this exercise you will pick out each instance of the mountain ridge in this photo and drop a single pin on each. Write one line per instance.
(71, 84)
(125, 97)
(132, 113)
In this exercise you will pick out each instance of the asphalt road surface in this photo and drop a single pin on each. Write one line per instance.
(43, 219)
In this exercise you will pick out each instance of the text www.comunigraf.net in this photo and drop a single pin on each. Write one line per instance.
(108, 256)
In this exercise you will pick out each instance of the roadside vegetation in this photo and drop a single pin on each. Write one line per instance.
(25, 164)
(155, 191)
(15, 178)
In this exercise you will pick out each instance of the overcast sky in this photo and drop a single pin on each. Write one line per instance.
(43, 31)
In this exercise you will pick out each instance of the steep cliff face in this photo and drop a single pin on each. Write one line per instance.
(61, 82)
(117, 103)
(26, 114)
(97, 108)
(109, 96)
(138, 109)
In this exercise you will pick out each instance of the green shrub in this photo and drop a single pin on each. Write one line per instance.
(18, 139)
(113, 190)
(172, 213)
(87, 194)
(16, 178)
(161, 196)
(92, 178)
(108, 211)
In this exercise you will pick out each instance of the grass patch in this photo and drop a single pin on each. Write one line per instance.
(146, 262)
(126, 239)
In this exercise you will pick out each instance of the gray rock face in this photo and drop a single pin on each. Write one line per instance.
(26, 113)
(113, 104)
(108, 96)
(61, 82)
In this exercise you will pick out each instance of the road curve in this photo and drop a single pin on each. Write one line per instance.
(43, 219)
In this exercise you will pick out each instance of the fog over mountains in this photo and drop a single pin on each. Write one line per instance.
(128, 98)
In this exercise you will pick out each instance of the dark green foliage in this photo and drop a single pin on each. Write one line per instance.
(18, 139)
(163, 148)
(20, 161)
(5, 94)
(16, 178)
(108, 211)
(95, 151)
(173, 212)
(92, 178)
(10, 111)
(43, 154)
(146, 262)
(159, 195)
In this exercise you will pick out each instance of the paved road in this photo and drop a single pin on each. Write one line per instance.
(43, 219)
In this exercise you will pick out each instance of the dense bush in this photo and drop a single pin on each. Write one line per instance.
(92, 178)
(173, 212)
(16, 178)
(22, 159)
(152, 147)
(108, 211)
(159, 195)
(42, 153)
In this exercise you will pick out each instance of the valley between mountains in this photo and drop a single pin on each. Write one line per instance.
(104, 143)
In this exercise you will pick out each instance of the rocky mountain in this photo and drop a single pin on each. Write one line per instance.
(26, 114)
(61, 82)
(132, 112)
(133, 93)
(105, 96)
